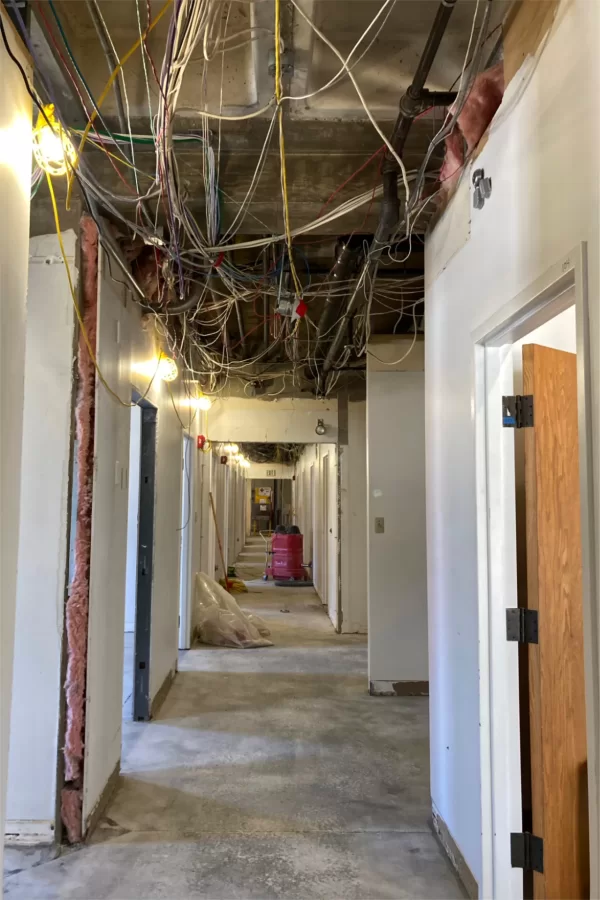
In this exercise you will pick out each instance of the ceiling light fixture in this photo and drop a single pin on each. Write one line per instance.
(320, 429)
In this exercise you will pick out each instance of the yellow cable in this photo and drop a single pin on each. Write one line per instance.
(284, 189)
(78, 312)
(107, 88)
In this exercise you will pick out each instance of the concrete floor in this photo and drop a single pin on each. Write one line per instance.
(267, 774)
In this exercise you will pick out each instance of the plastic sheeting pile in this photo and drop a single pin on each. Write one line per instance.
(219, 620)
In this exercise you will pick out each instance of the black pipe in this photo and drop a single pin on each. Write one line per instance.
(344, 262)
(389, 212)
(437, 98)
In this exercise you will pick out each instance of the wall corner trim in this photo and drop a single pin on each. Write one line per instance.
(457, 860)
(97, 812)
(162, 692)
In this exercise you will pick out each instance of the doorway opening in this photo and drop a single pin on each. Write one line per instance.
(133, 510)
(538, 602)
(140, 552)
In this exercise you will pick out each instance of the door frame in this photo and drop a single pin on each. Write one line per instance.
(501, 811)
(145, 563)
(185, 543)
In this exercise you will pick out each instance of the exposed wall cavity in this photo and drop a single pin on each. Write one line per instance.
(484, 99)
(78, 599)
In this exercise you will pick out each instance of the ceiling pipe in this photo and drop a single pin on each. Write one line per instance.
(346, 251)
(411, 105)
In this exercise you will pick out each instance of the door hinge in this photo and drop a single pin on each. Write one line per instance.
(517, 411)
(527, 852)
(522, 625)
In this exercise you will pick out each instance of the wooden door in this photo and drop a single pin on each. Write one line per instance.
(554, 588)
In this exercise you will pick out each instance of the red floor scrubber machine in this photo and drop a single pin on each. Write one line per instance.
(284, 558)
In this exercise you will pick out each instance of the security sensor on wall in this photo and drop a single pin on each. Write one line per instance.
(320, 429)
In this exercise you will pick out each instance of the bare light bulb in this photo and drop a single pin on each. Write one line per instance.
(52, 147)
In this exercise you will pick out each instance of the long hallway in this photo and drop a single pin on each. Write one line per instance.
(267, 773)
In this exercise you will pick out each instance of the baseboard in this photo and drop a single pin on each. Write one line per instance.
(103, 800)
(159, 697)
(399, 688)
(29, 832)
(459, 864)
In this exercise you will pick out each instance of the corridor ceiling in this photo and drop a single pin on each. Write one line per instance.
(224, 160)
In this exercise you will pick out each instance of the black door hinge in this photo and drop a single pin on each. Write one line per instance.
(527, 852)
(522, 625)
(517, 411)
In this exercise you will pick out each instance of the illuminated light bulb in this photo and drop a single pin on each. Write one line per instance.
(167, 369)
(245, 463)
(232, 449)
(52, 147)
(164, 368)
(202, 402)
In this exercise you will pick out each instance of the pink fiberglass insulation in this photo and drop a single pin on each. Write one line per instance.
(71, 808)
(480, 107)
(484, 99)
(78, 599)
(453, 160)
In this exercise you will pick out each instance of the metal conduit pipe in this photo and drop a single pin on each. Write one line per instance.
(389, 213)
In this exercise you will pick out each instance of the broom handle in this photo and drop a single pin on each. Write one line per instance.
(214, 512)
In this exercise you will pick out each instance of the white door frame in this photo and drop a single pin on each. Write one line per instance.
(497, 577)
(185, 553)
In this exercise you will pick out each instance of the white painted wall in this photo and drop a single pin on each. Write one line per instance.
(15, 181)
(546, 125)
(137, 344)
(133, 509)
(292, 420)
(397, 567)
(43, 544)
(104, 683)
(269, 470)
(324, 525)
(353, 521)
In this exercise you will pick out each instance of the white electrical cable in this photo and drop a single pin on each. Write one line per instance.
(360, 96)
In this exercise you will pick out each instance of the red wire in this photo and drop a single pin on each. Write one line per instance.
(348, 180)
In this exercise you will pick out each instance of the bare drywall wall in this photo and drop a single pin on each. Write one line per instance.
(353, 521)
(103, 695)
(546, 124)
(15, 186)
(317, 515)
(125, 341)
(287, 421)
(43, 540)
(397, 569)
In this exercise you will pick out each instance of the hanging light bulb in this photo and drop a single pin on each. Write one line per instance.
(204, 403)
(52, 147)
(162, 367)
(232, 449)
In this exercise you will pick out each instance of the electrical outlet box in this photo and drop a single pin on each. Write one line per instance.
(379, 525)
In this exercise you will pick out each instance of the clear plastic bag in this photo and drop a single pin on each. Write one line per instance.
(219, 620)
